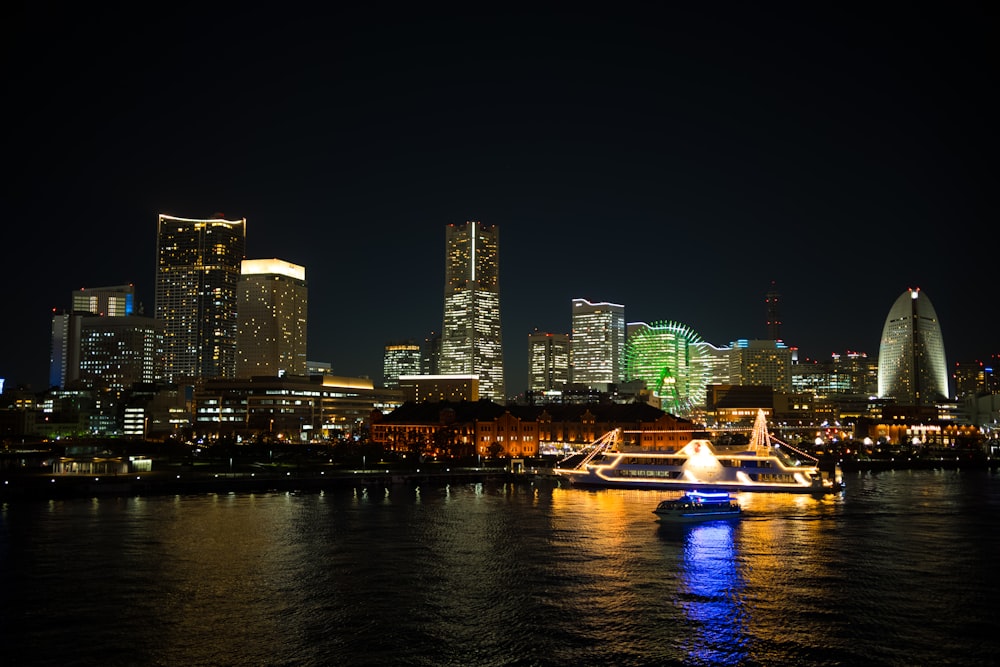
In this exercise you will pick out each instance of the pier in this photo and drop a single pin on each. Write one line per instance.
(19, 486)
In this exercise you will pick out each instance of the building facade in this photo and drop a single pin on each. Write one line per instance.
(197, 270)
(548, 361)
(291, 409)
(104, 341)
(400, 358)
(911, 362)
(761, 363)
(272, 306)
(114, 301)
(118, 352)
(771, 301)
(850, 373)
(485, 429)
(64, 356)
(471, 341)
(597, 346)
(437, 388)
(430, 357)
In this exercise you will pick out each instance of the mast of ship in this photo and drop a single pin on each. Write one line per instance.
(760, 441)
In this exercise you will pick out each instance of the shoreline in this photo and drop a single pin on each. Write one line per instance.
(34, 486)
(18, 485)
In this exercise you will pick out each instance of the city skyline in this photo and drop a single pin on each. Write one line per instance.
(676, 163)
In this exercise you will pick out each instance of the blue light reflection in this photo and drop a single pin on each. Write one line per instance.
(711, 589)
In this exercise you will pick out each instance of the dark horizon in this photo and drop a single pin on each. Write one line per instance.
(676, 162)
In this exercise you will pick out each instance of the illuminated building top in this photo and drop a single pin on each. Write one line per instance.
(277, 267)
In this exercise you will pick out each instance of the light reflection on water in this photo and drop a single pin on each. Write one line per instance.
(891, 572)
(711, 589)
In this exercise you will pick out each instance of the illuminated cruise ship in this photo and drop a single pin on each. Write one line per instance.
(766, 465)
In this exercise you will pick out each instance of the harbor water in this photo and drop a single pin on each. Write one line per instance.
(902, 568)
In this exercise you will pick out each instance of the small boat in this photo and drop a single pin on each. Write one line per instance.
(698, 506)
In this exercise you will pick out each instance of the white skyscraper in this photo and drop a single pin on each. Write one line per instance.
(597, 347)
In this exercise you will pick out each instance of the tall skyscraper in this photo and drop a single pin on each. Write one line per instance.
(470, 338)
(548, 361)
(911, 359)
(197, 269)
(597, 346)
(773, 313)
(272, 304)
(400, 358)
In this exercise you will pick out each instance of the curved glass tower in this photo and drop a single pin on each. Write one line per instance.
(911, 360)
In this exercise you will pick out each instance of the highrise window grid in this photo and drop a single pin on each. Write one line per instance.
(197, 270)
(471, 341)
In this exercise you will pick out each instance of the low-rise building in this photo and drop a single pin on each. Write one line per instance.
(484, 428)
(290, 408)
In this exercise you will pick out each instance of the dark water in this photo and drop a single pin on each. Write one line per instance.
(902, 569)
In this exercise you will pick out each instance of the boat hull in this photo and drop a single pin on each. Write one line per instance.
(587, 479)
(693, 517)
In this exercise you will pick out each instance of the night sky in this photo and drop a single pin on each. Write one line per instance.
(675, 162)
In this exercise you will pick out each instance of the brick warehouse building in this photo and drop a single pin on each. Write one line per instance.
(484, 428)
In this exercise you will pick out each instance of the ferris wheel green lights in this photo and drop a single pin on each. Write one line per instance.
(665, 356)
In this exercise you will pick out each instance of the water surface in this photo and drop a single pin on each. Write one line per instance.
(900, 569)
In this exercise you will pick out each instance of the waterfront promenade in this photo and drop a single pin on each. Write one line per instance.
(182, 480)
(181, 477)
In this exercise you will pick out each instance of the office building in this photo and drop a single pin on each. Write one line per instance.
(597, 346)
(911, 359)
(400, 358)
(272, 304)
(471, 337)
(292, 409)
(850, 373)
(761, 363)
(319, 368)
(114, 301)
(118, 352)
(435, 388)
(548, 361)
(197, 270)
(104, 342)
